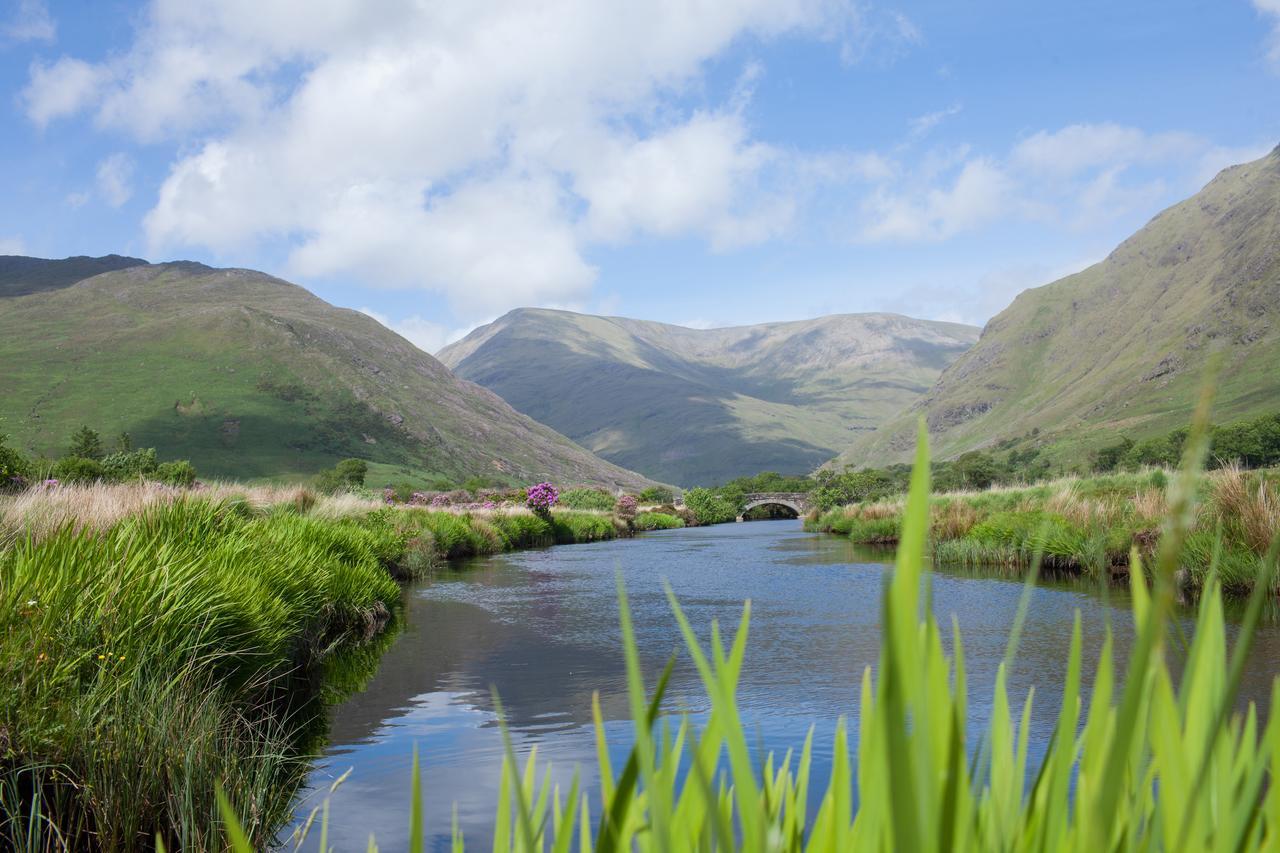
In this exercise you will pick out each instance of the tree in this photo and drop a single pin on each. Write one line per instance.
(124, 442)
(85, 444)
(1108, 458)
(346, 475)
(976, 470)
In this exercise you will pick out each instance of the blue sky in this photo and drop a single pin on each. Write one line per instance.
(704, 163)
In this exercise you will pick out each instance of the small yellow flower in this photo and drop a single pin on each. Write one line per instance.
(102, 657)
(121, 657)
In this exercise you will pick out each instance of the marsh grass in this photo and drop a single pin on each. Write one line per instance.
(1135, 762)
(1088, 525)
(157, 643)
(657, 521)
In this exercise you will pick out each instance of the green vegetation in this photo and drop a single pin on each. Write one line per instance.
(347, 475)
(1138, 760)
(145, 665)
(596, 499)
(700, 406)
(657, 521)
(87, 462)
(1087, 525)
(656, 495)
(1252, 443)
(251, 378)
(710, 507)
(1120, 349)
(185, 633)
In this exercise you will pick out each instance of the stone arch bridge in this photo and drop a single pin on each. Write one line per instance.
(797, 502)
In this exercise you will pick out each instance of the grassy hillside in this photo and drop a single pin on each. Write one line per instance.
(697, 406)
(1120, 348)
(250, 376)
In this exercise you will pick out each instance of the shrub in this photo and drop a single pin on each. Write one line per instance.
(626, 507)
(15, 470)
(578, 526)
(656, 495)
(177, 473)
(657, 521)
(347, 475)
(85, 443)
(541, 498)
(709, 507)
(596, 499)
(129, 465)
(77, 469)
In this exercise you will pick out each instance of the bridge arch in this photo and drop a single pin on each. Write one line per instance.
(797, 503)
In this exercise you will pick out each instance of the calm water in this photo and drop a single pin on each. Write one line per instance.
(541, 628)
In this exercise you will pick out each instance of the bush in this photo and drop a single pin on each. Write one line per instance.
(656, 495)
(15, 470)
(177, 473)
(346, 475)
(85, 443)
(578, 526)
(597, 499)
(129, 465)
(656, 521)
(77, 469)
(627, 506)
(709, 507)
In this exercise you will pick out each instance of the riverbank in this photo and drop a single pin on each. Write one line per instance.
(157, 643)
(1086, 525)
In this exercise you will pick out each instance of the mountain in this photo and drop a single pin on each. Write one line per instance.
(250, 376)
(693, 406)
(1121, 348)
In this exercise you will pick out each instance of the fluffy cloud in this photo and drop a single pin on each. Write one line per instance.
(472, 151)
(1081, 176)
(30, 22)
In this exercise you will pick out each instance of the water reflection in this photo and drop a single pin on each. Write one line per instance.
(541, 628)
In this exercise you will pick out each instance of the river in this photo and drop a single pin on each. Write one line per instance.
(541, 627)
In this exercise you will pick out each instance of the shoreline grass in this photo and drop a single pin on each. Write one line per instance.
(1087, 525)
(186, 634)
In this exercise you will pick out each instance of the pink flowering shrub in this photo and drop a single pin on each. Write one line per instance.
(627, 505)
(542, 498)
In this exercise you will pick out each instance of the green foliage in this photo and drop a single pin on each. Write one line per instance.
(179, 472)
(657, 521)
(77, 469)
(86, 444)
(596, 499)
(347, 475)
(126, 465)
(709, 507)
(579, 526)
(656, 495)
(15, 469)
(166, 638)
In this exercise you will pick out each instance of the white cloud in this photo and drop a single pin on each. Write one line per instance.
(921, 126)
(979, 194)
(474, 151)
(12, 246)
(1083, 176)
(61, 89)
(1271, 8)
(115, 179)
(424, 334)
(77, 200)
(31, 22)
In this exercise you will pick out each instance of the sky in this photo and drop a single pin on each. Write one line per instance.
(701, 162)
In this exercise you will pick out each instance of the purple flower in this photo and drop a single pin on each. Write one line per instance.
(441, 500)
(627, 506)
(51, 483)
(490, 505)
(542, 498)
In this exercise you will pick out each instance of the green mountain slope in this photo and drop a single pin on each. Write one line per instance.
(694, 406)
(1121, 348)
(250, 376)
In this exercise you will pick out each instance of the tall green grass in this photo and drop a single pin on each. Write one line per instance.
(1137, 760)
(143, 666)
